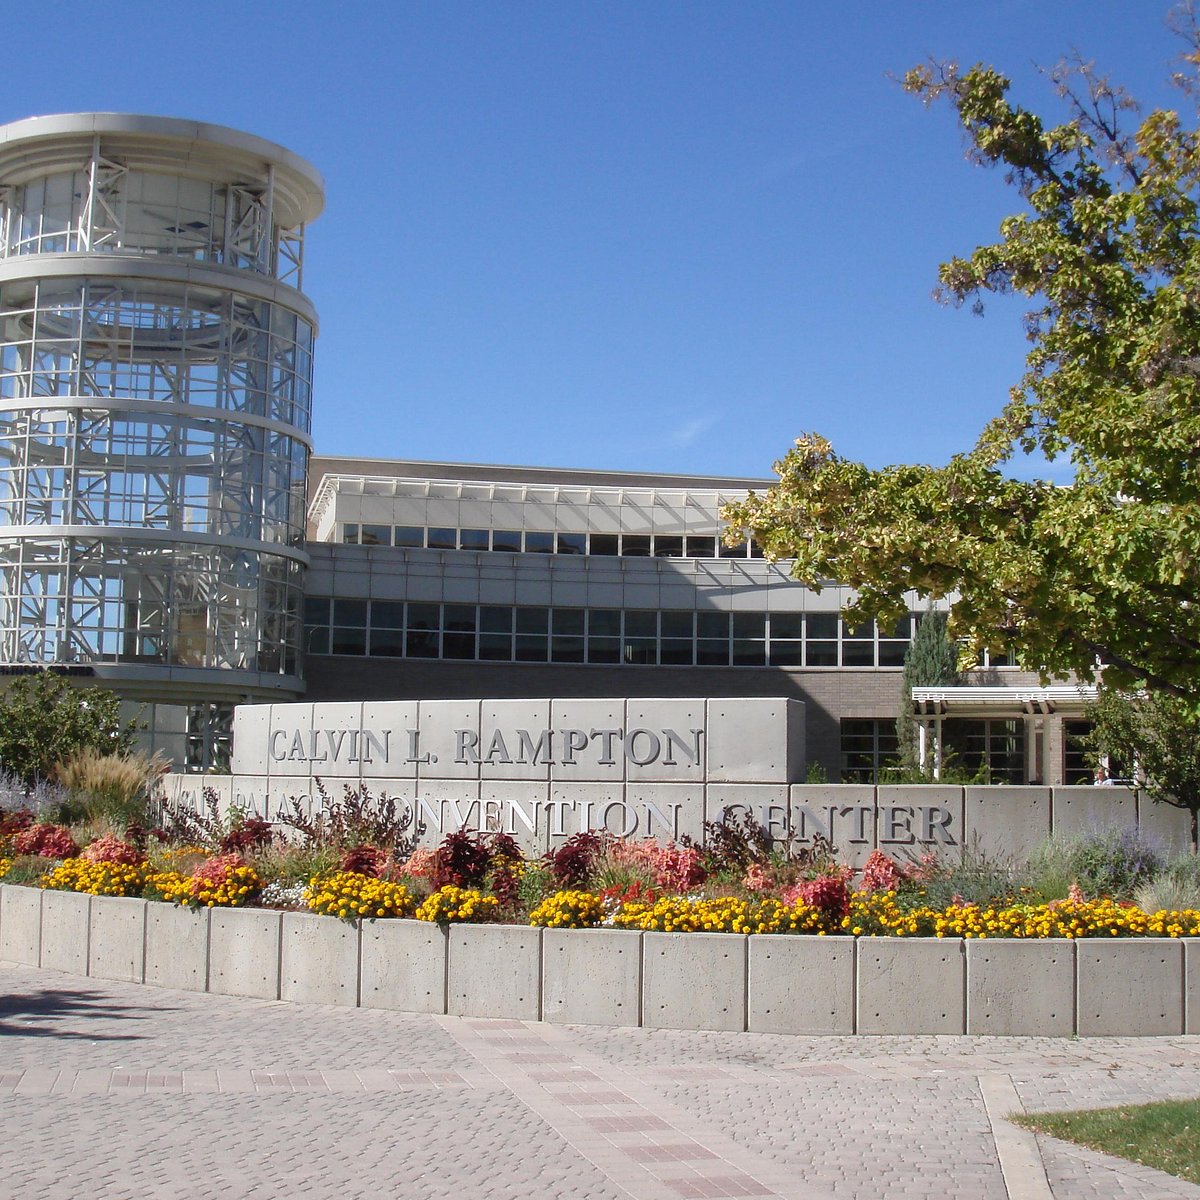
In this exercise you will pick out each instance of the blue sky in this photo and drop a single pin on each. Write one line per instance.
(625, 235)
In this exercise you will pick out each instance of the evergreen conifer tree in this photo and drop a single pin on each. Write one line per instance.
(931, 659)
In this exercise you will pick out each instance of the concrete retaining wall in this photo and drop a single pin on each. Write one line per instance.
(778, 983)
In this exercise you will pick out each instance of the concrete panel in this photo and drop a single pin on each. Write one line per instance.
(911, 985)
(578, 807)
(1021, 988)
(592, 976)
(449, 731)
(665, 740)
(177, 947)
(392, 723)
(604, 722)
(335, 752)
(319, 963)
(1164, 825)
(694, 981)
(666, 811)
(495, 971)
(1129, 986)
(1191, 985)
(20, 924)
(915, 819)
(755, 740)
(447, 805)
(800, 984)
(1006, 822)
(65, 931)
(243, 957)
(251, 734)
(517, 808)
(252, 794)
(842, 813)
(403, 966)
(285, 754)
(767, 803)
(504, 753)
(117, 939)
(1077, 810)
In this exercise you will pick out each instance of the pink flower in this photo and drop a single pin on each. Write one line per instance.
(111, 849)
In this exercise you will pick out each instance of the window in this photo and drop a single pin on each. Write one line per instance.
(537, 542)
(868, 745)
(571, 543)
(608, 544)
(507, 540)
(473, 539)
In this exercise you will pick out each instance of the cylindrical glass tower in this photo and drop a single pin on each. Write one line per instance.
(155, 398)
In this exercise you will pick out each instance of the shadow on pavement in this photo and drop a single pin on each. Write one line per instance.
(45, 1012)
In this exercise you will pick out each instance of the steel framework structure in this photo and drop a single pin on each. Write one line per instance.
(155, 404)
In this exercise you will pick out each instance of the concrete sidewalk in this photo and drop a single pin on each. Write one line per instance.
(117, 1091)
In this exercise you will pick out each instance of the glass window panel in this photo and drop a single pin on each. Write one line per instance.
(822, 625)
(568, 620)
(495, 647)
(350, 535)
(566, 649)
(712, 653)
(641, 624)
(677, 651)
(458, 645)
(821, 654)
(443, 539)
(531, 648)
(786, 654)
(701, 547)
(349, 641)
(571, 543)
(749, 654)
(459, 617)
(317, 639)
(635, 545)
(604, 650)
(605, 543)
(316, 610)
(858, 654)
(350, 612)
(749, 625)
(375, 535)
(409, 535)
(891, 654)
(494, 619)
(424, 616)
(756, 551)
(641, 651)
(786, 625)
(676, 624)
(387, 643)
(387, 614)
(473, 539)
(421, 643)
(858, 633)
(539, 542)
(508, 540)
(605, 621)
(668, 546)
(712, 624)
(533, 620)
(735, 551)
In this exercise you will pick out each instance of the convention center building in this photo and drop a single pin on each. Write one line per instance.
(167, 531)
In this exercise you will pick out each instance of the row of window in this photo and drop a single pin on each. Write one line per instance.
(536, 541)
(993, 750)
(634, 637)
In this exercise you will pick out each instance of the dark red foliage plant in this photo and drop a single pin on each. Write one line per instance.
(253, 833)
(462, 860)
(572, 862)
(365, 860)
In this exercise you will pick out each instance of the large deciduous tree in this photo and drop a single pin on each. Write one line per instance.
(1158, 736)
(1106, 249)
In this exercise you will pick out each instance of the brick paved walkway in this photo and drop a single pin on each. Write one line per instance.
(122, 1092)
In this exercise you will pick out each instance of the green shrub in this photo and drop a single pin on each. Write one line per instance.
(1109, 862)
